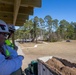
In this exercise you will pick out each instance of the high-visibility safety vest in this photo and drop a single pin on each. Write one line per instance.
(6, 53)
(7, 42)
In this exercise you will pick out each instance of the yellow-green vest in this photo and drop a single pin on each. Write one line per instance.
(7, 42)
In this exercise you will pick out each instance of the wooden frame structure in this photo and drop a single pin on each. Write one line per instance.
(16, 12)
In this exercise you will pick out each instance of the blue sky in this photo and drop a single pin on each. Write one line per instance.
(57, 9)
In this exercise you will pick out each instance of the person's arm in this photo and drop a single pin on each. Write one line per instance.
(13, 53)
(9, 66)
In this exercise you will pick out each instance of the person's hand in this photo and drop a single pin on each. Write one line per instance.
(21, 56)
(8, 58)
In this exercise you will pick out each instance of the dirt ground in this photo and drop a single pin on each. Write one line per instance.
(65, 50)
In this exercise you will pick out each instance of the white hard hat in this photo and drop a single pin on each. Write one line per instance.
(11, 27)
(3, 27)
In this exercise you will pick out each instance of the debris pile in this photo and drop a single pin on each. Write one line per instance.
(61, 66)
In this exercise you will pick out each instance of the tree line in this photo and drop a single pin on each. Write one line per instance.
(46, 29)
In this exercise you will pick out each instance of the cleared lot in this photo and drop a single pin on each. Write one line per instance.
(32, 51)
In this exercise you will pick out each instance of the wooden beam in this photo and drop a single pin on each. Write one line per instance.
(6, 19)
(5, 7)
(33, 3)
(21, 19)
(7, 1)
(9, 22)
(11, 19)
(16, 9)
(24, 3)
(19, 24)
(4, 14)
(26, 10)
(22, 16)
(9, 8)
